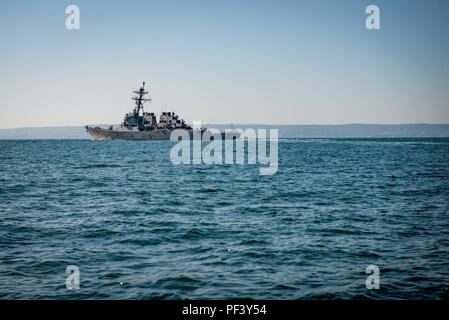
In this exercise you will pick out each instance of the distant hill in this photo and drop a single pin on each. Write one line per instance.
(352, 130)
(285, 131)
(74, 132)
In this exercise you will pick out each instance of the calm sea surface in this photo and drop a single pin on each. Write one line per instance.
(139, 227)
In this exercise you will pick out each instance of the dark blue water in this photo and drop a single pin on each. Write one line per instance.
(139, 227)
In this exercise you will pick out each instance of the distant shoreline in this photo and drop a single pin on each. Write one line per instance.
(285, 131)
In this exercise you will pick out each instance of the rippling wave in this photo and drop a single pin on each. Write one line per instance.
(139, 227)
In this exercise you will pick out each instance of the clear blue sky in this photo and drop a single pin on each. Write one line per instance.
(279, 62)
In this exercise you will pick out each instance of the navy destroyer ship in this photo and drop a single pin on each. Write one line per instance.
(141, 125)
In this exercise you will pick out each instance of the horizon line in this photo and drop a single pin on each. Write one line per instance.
(252, 124)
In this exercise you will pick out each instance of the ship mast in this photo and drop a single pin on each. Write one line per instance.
(140, 100)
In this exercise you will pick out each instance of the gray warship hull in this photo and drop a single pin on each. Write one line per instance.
(97, 133)
(107, 134)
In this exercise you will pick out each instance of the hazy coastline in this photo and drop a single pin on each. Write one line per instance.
(285, 131)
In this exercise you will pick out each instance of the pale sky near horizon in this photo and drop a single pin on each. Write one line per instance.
(253, 61)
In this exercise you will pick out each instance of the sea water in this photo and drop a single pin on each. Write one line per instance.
(139, 227)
